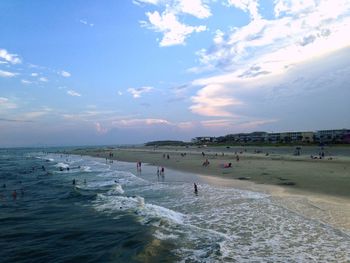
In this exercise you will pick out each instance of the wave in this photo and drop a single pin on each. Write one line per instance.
(62, 165)
(146, 212)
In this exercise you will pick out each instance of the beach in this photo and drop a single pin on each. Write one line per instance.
(315, 188)
(114, 211)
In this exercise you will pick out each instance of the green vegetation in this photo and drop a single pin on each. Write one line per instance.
(167, 143)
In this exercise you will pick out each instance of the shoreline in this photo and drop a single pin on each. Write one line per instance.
(324, 207)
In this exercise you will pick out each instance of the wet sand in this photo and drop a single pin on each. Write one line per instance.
(318, 189)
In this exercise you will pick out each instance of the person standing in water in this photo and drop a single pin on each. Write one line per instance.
(138, 166)
(195, 188)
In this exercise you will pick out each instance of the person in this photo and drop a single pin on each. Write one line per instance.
(206, 163)
(138, 166)
(195, 188)
(158, 171)
(227, 165)
(14, 194)
(74, 181)
(162, 170)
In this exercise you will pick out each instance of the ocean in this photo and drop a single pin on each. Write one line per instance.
(114, 213)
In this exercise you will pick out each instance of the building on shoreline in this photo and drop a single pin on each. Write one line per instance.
(203, 139)
(333, 136)
(305, 137)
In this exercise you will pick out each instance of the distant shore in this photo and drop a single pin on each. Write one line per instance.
(317, 188)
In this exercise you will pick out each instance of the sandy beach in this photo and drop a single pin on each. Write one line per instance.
(314, 188)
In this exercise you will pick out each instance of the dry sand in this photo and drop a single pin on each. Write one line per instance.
(317, 189)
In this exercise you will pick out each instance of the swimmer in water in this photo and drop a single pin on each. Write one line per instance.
(14, 194)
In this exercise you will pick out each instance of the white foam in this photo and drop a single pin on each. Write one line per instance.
(160, 235)
(137, 205)
(62, 165)
(45, 158)
(85, 169)
(117, 189)
(101, 184)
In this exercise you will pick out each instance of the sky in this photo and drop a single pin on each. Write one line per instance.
(130, 71)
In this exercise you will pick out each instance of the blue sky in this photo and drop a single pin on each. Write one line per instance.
(131, 71)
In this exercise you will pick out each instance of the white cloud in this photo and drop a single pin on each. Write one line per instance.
(168, 23)
(272, 46)
(136, 93)
(24, 81)
(7, 74)
(34, 74)
(43, 79)
(86, 23)
(100, 129)
(73, 93)
(65, 74)
(11, 58)
(33, 115)
(218, 123)
(120, 93)
(153, 2)
(212, 100)
(140, 122)
(6, 104)
(294, 7)
(250, 6)
(174, 32)
(195, 8)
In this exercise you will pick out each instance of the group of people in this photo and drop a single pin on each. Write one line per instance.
(166, 156)
(160, 171)
(14, 192)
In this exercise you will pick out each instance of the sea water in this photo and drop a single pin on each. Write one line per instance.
(114, 213)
